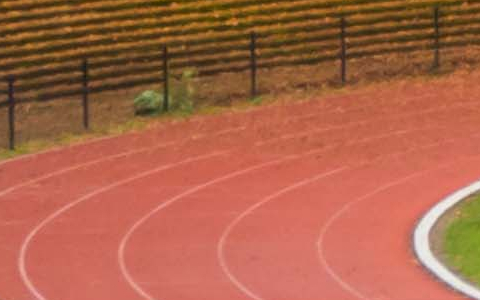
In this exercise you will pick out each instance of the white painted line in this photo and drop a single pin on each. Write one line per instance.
(421, 242)
(79, 144)
(155, 127)
(320, 129)
(221, 243)
(321, 240)
(26, 242)
(59, 148)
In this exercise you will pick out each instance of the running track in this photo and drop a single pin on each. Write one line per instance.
(312, 200)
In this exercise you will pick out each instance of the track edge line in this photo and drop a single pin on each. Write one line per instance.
(421, 242)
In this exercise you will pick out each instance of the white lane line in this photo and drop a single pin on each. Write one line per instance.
(319, 129)
(27, 241)
(320, 244)
(89, 142)
(121, 249)
(321, 241)
(421, 242)
(221, 243)
(60, 148)
(108, 158)
(106, 138)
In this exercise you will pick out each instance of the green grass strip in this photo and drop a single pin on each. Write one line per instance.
(462, 240)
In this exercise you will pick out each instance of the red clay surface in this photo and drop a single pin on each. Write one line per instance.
(313, 200)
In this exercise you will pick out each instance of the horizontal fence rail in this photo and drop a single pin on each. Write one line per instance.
(108, 51)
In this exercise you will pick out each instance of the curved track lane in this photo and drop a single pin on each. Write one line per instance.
(303, 201)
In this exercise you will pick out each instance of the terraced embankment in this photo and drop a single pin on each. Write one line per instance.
(44, 42)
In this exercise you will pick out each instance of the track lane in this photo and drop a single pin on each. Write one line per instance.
(65, 263)
(283, 246)
(183, 234)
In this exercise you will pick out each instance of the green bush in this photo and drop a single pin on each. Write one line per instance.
(181, 97)
(148, 102)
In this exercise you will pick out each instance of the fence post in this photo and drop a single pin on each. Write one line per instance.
(85, 92)
(11, 111)
(436, 36)
(253, 64)
(165, 79)
(343, 50)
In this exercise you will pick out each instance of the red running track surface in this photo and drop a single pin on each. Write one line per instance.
(310, 200)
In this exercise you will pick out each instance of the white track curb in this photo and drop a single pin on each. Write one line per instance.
(421, 242)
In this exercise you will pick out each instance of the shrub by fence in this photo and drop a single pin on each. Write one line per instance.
(61, 65)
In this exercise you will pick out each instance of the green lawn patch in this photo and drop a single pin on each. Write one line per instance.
(462, 240)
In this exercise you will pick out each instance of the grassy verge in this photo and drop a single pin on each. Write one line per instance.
(38, 145)
(461, 244)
